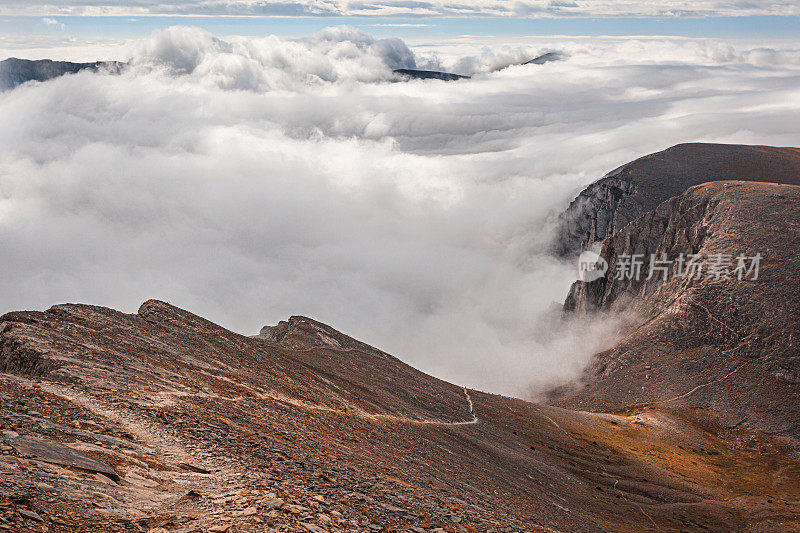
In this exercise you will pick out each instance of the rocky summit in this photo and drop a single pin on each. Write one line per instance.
(628, 192)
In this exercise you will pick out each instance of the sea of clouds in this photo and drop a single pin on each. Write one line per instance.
(249, 179)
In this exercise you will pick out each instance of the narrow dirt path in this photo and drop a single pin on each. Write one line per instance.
(723, 378)
(351, 411)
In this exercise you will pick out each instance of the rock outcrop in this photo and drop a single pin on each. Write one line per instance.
(305, 333)
(706, 340)
(632, 190)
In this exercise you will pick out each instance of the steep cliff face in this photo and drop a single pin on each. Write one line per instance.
(595, 214)
(636, 188)
(676, 227)
(725, 344)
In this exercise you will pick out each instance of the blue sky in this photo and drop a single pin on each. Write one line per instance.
(125, 27)
(408, 8)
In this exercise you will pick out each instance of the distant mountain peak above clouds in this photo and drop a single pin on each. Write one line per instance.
(184, 49)
(405, 74)
(14, 72)
(545, 58)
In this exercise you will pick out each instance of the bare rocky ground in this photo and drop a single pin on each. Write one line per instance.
(162, 421)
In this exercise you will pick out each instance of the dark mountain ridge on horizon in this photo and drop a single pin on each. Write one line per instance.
(415, 74)
(407, 73)
(14, 71)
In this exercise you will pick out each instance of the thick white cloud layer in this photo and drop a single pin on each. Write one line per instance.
(251, 179)
(389, 8)
(338, 54)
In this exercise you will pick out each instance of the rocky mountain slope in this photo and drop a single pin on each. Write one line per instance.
(729, 346)
(545, 58)
(405, 74)
(163, 421)
(15, 71)
(636, 188)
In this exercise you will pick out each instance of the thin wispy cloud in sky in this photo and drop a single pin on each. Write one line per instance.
(53, 22)
(403, 25)
(388, 8)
